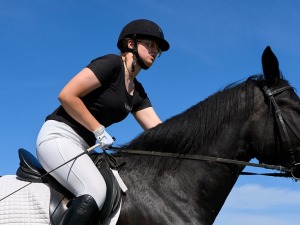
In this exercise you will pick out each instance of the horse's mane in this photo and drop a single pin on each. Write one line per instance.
(202, 123)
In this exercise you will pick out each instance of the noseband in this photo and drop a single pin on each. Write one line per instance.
(284, 122)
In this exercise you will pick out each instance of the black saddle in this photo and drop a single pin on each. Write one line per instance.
(31, 170)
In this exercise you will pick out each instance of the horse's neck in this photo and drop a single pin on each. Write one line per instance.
(197, 188)
(212, 181)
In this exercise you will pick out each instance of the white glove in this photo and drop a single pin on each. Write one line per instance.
(104, 139)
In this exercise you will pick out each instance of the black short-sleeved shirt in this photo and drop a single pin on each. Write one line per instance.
(109, 103)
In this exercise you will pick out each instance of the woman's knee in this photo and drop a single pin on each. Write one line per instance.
(98, 191)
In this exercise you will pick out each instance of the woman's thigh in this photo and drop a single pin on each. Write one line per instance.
(79, 176)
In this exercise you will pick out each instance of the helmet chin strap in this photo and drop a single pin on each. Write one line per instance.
(138, 58)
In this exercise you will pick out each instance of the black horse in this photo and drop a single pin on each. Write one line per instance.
(253, 119)
(258, 118)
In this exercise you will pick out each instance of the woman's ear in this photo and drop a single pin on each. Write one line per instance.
(130, 44)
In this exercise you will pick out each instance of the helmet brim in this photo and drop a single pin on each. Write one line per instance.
(162, 43)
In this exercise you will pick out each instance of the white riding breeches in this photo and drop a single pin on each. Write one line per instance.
(57, 143)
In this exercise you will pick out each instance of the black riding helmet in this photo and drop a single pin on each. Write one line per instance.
(142, 29)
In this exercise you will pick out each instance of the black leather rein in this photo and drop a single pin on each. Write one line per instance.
(200, 157)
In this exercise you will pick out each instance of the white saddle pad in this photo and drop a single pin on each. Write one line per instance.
(30, 205)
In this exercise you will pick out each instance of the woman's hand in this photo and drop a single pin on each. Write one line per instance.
(104, 139)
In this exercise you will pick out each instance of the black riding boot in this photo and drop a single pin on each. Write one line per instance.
(82, 211)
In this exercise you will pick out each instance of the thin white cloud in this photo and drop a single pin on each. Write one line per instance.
(254, 195)
(250, 219)
(257, 204)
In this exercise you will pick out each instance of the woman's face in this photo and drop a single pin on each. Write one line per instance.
(148, 51)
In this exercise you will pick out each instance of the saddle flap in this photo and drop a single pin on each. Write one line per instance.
(113, 192)
(30, 168)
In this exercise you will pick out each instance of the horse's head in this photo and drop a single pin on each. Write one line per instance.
(276, 118)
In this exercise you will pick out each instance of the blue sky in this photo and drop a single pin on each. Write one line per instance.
(44, 43)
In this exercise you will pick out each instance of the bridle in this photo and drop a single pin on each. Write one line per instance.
(283, 121)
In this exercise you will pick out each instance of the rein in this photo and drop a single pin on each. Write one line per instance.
(200, 157)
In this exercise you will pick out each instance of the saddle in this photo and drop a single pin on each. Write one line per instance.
(31, 170)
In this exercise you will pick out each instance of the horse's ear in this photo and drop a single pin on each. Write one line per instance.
(270, 66)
